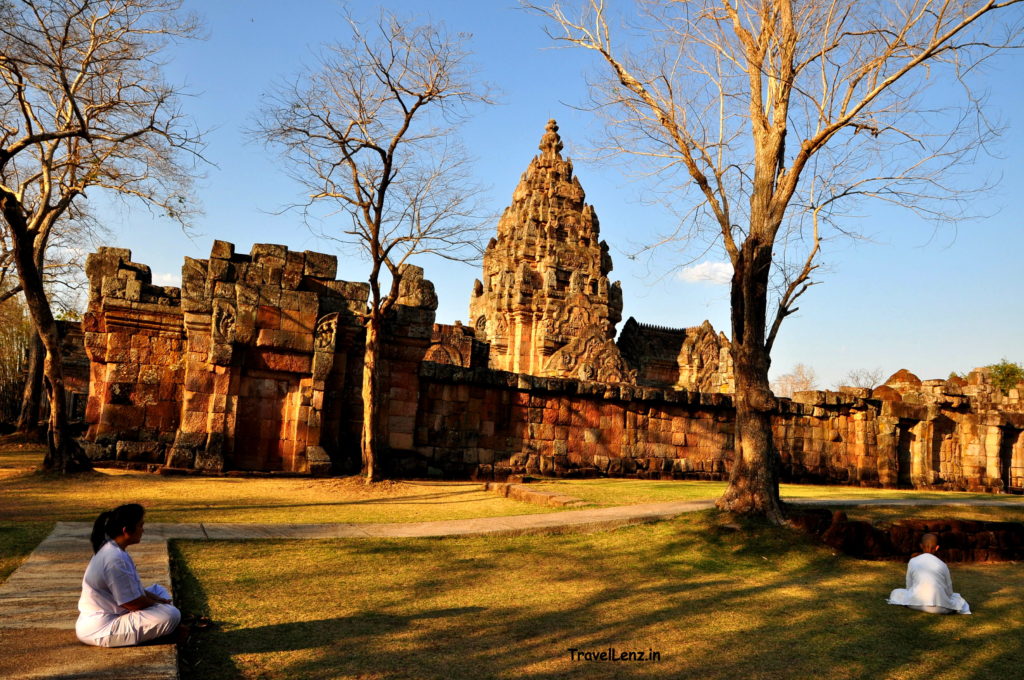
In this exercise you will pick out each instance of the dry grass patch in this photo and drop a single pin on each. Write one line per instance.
(29, 496)
(18, 457)
(232, 499)
(761, 603)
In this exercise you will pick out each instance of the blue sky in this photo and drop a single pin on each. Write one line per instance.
(928, 300)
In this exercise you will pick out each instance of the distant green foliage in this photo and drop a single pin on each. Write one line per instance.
(1006, 375)
(68, 314)
(954, 374)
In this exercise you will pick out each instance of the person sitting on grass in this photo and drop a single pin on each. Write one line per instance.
(115, 610)
(929, 586)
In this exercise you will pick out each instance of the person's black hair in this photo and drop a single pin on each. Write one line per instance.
(111, 523)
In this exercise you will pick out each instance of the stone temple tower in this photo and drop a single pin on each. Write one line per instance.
(545, 304)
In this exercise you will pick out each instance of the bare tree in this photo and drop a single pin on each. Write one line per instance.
(862, 377)
(59, 260)
(370, 132)
(800, 379)
(83, 106)
(776, 117)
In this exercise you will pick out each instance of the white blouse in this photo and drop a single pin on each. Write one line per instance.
(110, 580)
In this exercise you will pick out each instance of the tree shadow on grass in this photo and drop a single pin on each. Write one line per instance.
(714, 602)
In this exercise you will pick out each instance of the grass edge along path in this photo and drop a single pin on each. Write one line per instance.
(17, 541)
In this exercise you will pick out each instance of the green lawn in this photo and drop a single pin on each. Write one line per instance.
(606, 492)
(891, 513)
(716, 603)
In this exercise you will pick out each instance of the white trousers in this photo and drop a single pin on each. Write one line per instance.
(139, 626)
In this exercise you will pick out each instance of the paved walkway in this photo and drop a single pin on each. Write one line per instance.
(38, 602)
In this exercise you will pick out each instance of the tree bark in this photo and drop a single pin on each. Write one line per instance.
(369, 444)
(63, 455)
(32, 395)
(753, 481)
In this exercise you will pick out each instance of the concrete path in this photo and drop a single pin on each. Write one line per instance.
(38, 602)
(39, 605)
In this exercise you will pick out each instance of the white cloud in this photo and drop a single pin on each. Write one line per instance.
(708, 272)
(167, 279)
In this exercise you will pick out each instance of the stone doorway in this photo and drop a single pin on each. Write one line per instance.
(1011, 438)
(904, 457)
(264, 425)
(942, 453)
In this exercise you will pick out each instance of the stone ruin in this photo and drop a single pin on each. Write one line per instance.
(231, 371)
(255, 365)
(545, 304)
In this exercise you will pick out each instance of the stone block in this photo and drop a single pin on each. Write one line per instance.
(220, 354)
(246, 295)
(297, 342)
(194, 421)
(223, 290)
(294, 269)
(272, 275)
(93, 407)
(209, 460)
(320, 265)
(223, 381)
(123, 418)
(284, 362)
(268, 317)
(270, 295)
(400, 440)
(122, 373)
(222, 250)
(180, 457)
(269, 252)
(318, 463)
(199, 381)
(218, 271)
(295, 321)
(139, 452)
(119, 393)
(150, 374)
(245, 326)
(300, 301)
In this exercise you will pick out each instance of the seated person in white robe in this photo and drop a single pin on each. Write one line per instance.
(115, 610)
(929, 586)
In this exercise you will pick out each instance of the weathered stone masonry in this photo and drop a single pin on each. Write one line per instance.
(237, 369)
(473, 421)
(255, 364)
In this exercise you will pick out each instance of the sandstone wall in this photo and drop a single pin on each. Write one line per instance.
(133, 337)
(256, 364)
(493, 425)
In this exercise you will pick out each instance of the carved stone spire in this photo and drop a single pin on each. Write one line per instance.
(545, 303)
(551, 143)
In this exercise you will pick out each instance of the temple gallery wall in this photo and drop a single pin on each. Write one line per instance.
(255, 364)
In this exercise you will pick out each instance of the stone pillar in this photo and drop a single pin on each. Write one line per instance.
(887, 438)
(993, 440)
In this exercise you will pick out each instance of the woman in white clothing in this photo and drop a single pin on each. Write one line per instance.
(115, 610)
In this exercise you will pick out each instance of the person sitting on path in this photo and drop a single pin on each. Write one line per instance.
(115, 610)
(929, 586)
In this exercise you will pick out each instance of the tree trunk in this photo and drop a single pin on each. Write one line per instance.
(753, 481)
(32, 395)
(371, 413)
(64, 455)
